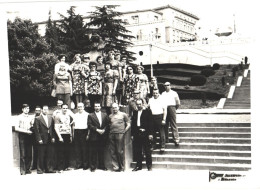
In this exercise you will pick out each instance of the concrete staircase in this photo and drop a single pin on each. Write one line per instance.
(207, 146)
(242, 97)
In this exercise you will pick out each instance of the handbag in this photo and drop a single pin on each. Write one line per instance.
(53, 92)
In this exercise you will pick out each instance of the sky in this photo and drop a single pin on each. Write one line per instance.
(212, 14)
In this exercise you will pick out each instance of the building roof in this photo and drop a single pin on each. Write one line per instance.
(145, 10)
(177, 9)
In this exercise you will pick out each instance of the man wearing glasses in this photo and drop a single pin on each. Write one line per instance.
(173, 102)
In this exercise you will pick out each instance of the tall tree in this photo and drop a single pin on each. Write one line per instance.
(73, 33)
(52, 37)
(106, 23)
(31, 64)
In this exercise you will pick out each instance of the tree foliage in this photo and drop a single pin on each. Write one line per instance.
(31, 63)
(106, 23)
(73, 34)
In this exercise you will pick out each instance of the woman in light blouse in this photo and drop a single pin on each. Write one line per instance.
(143, 82)
(63, 85)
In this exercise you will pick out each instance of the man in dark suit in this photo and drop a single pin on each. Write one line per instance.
(98, 125)
(142, 133)
(44, 134)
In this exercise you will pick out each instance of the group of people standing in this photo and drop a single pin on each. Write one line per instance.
(108, 79)
(99, 122)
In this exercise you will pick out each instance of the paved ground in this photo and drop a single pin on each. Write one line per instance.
(157, 179)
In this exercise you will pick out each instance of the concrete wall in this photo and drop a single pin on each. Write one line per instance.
(197, 53)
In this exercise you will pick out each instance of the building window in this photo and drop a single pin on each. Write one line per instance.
(135, 19)
(156, 18)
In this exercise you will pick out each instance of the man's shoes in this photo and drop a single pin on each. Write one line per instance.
(51, 172)
(39, 172)
(118, 170)
(28, 172)
(136, 169)
(103, 168)
(177, 143)
(150, 169)
(67, 169)
(92, 170)
(162, 149)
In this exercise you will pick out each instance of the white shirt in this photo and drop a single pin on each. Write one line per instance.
(45, 119)
(170, 98)
(98, 114)
(25, 122)
(157, 105)
(139, 117)
(81, 120)
(59, 111)
(57, 67)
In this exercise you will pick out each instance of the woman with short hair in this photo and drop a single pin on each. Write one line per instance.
(110, 86)
(143, 82)
(78, 86)
(93, 85)
(129, 85)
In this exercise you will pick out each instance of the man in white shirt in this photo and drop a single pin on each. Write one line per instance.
(63, 122)
(80, 133)
(25, 122)
(173, 102)
(159, 112)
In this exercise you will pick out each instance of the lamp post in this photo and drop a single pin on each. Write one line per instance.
(151, 62)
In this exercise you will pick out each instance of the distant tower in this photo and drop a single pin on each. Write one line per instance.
(234, 23)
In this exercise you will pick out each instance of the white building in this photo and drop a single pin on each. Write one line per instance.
(165, 24)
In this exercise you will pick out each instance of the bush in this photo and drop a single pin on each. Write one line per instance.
(216, 66)
(207, 72)
(198, 80)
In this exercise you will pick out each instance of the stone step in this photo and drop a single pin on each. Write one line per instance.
(214, 140)
(236, 100)
(209, 146)
(198, 166)
(237, 107)
(210, 140)
(202, 152)
(215, 129)
(201, 159)
(215, 134)
(242, 105)
(213, 124)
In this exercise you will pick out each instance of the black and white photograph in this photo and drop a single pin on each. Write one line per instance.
(130, 94)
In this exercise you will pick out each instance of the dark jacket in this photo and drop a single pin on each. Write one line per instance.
(93, 125)
(42, 131)
(145, 122)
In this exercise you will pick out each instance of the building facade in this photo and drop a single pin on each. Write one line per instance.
(165, 24)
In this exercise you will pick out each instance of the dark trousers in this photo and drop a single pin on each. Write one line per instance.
(65, 98)
(81, 148)
(63, 153)
(157, 126)
(96, 156)
(25, 144)
(35, 153)
(171, 122)
(45, 162)
(116, 142)
(93, 98)
(141, 142)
